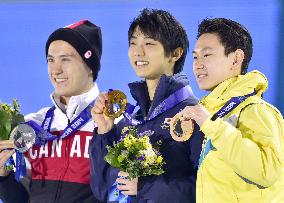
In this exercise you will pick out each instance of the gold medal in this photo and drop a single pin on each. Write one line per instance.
(116, 104)
(180, 130)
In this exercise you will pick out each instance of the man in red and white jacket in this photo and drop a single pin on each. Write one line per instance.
(59, 170)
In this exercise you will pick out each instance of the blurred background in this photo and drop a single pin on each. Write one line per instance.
(26, 25)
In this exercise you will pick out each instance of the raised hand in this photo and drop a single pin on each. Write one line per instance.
(198, 113)
(104, 123)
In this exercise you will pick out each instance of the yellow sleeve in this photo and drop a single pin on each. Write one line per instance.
(253, 149)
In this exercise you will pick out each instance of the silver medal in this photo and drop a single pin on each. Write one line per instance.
(23, 136)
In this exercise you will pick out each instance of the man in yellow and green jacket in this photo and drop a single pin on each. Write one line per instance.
(243, 150)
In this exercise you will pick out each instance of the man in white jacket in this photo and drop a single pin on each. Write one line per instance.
(60, 167)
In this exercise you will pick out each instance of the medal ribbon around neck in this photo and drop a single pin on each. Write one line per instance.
(30, 133)
(178, 96)
(226, 109)
(171, 101)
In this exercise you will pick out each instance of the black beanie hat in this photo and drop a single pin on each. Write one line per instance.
(86, 38)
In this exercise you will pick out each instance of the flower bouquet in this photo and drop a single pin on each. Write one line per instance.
(135, 155)
(9, 118)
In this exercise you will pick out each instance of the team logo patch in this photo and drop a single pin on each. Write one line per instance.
(88, 54)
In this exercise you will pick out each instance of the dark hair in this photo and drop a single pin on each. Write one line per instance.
(232, 36)
(160, 25)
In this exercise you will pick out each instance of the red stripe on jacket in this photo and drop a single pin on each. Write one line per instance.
(65, 160)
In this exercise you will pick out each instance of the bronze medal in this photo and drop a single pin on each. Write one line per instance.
(180, 130)
(116, 104)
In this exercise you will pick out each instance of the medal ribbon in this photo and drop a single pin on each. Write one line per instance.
(227, 108)
(171, 101)
(178, 96)
(42, 132)
(115, 195)
(43, 135)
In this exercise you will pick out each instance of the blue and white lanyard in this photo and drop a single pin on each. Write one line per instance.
(227, 108)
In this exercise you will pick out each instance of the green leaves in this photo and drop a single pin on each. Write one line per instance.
(9, 118)
(5, 124)
(17, 119)
(112, 158)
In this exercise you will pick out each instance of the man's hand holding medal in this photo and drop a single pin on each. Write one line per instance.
(108, 106)
(13, 136)
(6, 151)
(182, 126)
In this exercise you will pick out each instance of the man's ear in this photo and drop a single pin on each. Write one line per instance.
(89, 70)
(177, 53)
(238, 59)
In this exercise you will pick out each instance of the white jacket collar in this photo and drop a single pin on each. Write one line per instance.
(76, 103)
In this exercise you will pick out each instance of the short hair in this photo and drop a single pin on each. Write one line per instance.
(161, 26)
(232, 36)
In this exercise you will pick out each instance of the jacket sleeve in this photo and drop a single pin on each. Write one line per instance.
(161, 189)
(177, 184)
(12, 191)
(102, 175)
(253, 149)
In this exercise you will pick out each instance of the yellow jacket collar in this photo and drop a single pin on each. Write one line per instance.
(233, 87)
